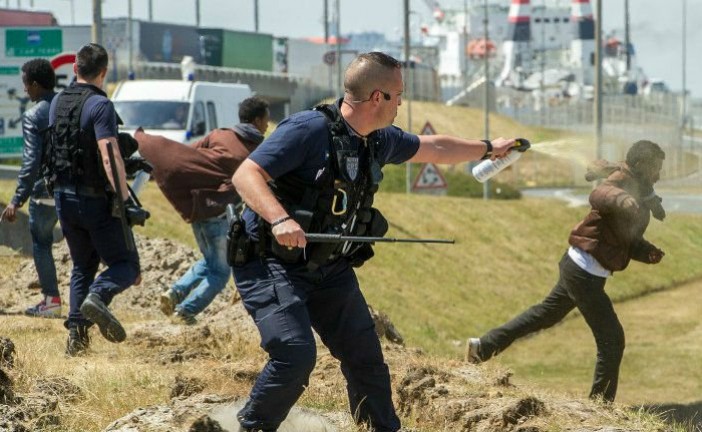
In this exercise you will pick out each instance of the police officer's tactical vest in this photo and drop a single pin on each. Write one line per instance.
(71, 156)
(339, 201)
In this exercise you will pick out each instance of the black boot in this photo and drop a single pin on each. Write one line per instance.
(94, 309)
(78, 341)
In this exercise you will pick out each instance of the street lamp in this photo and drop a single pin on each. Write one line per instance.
(408, 90)
(486, 185)
(73, 13)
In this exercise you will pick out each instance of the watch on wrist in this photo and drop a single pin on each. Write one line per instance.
(488, 149)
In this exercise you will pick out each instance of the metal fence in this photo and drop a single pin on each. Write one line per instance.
(626, 119)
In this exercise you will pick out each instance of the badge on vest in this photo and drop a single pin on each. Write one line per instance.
(351, 167)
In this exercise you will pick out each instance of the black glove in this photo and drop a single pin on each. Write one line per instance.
(127, 144)
(136, 163)
(135, 214)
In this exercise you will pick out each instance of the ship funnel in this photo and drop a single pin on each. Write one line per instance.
(582, 46)
(515, 48)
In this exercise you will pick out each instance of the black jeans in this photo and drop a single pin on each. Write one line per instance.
(575, 288)
(287, 302)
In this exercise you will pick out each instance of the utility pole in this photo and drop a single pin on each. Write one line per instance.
(151, 10)
(408, 90)
(598, 80)
(684, 81)
(542, 85)
(96, 31)
(256, 16)
(627, 37)
(338, 48)
(465, 44)
(197, 13)
(330, 65)
(684, 62)
(486, 35)
(130, 68)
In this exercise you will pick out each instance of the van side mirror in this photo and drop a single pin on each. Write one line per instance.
(199, 128)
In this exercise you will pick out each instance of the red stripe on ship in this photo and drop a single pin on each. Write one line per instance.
(519, 19)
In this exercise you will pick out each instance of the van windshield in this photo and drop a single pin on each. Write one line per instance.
(153, 114)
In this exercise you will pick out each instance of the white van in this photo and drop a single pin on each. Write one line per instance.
(183, 111)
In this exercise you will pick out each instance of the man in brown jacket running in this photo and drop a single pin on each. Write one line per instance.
(604, 242)
(196, 180)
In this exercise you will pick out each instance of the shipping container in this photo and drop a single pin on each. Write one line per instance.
(159, 42)
(237, 49)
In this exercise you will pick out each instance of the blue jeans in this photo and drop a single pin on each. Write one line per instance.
(286, 302)
(208, 276)
(94, 235)
(42, 220)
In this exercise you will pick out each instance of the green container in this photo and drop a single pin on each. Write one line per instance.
(237, 49)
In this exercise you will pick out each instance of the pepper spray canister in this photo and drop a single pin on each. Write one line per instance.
(487, 169)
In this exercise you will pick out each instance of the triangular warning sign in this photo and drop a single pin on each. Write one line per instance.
(428, 129)
(429, 178)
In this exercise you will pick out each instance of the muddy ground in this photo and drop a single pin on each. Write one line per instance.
(434, 394)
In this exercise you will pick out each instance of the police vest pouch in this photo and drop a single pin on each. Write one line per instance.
(238, 243)
(287, 254)
(319, 254)
(376, 226)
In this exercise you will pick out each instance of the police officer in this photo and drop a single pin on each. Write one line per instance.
(323, 167)
(83, 122)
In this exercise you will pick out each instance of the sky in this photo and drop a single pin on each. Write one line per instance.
(656, 25)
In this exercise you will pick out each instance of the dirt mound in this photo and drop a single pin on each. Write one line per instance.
(23, 412)
(162, 263)
(214, 413)
(470, 398)
(458, 396)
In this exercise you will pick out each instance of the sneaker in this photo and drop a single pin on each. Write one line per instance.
(473, 351)
(94, 309)
(78, 341)
(180, 317)
(169, 301)
(49, 307)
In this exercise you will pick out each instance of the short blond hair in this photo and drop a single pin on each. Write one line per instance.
(368, 72)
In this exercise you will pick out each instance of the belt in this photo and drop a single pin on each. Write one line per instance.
(83, 190)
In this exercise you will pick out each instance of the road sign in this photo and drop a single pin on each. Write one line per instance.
(329, 57)
(33, 42)
(428, 129)
(13, 101)
(429, 178)
(63, 67)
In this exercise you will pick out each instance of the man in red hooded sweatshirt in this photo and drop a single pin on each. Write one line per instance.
(196, 180)
(604, 242)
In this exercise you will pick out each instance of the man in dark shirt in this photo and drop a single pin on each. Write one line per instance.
(39, 80)
(325, 164)
(83, 122)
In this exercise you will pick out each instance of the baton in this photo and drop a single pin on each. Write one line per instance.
(338, 238)
(129, 240)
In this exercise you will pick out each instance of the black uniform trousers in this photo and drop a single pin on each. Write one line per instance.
(287, 302)
(575, 288)
(94, 235)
